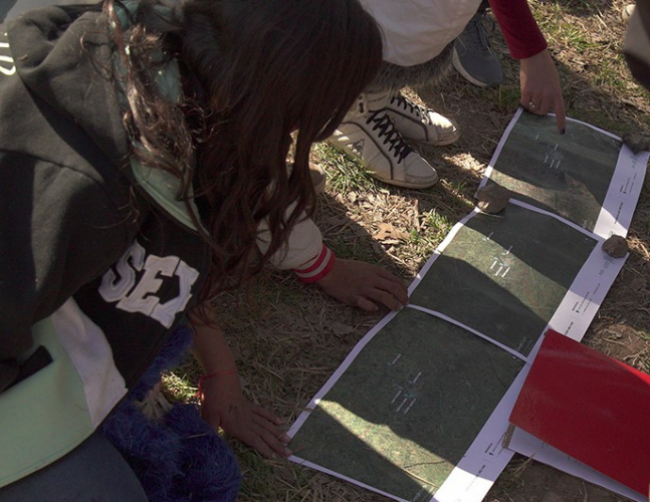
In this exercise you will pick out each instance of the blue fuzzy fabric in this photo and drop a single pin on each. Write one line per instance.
(181, 458)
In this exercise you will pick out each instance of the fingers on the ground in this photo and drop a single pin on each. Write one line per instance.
(378, 295)
(268, 438)
(560, 115)
(365, 304)
(269, 421)
(394, 289)
(544, 106)
(397, 286)
(269, 415)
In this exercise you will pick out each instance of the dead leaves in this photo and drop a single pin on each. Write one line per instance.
(388, 234)
(340, 329)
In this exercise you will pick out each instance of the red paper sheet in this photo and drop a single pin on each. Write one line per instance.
(591, 407)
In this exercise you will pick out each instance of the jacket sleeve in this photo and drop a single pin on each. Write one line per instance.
(304, 243)
(58, 230)
(520, 31)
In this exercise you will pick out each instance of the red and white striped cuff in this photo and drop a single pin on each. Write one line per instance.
(318, 267)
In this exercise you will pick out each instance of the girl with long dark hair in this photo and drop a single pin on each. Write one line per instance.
(142, 144)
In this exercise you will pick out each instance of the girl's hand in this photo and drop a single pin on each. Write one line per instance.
(540, 87)
(223, 405)
(364, 285)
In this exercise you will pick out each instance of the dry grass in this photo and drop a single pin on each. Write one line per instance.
(288, 338)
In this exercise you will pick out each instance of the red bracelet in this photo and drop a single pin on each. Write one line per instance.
(320, 266)
(203, 378)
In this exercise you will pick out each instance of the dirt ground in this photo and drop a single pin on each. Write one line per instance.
(289, 338)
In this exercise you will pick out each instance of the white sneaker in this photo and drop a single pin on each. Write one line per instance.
(628, 12)
(421, 124)
(372, 138)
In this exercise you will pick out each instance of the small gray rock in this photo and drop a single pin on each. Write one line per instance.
(616, 246)
(492, 198)
(636, 141)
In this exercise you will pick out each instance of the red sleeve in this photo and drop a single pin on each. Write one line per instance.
(519, 28)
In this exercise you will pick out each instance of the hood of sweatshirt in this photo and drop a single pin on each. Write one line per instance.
(64, 56)
(73, 200)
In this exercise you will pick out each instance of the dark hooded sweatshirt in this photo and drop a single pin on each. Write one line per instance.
(86, 251)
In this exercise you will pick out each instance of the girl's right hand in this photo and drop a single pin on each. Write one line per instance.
(224, 406)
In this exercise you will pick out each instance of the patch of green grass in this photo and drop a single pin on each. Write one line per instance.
(550, 18)
(609, 74)
(181, 382)
(459, 187)
(344, 174)
(423, 242)
(437, 223)
(574, 37)
(508, 97)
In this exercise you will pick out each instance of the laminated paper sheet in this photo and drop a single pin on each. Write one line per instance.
(418, 411)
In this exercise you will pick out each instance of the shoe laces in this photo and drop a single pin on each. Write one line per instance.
(477, 34)
(410, 107)
(382, 123)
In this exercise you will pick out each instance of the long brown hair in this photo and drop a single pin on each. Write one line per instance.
(264, 68)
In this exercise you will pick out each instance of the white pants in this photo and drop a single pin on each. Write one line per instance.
(415, 31)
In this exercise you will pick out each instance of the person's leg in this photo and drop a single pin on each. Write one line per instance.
(93, 471)
(473, 55)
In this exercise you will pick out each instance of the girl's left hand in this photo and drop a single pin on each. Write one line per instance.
(364, 285)
(223, 405)
(541, 91)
